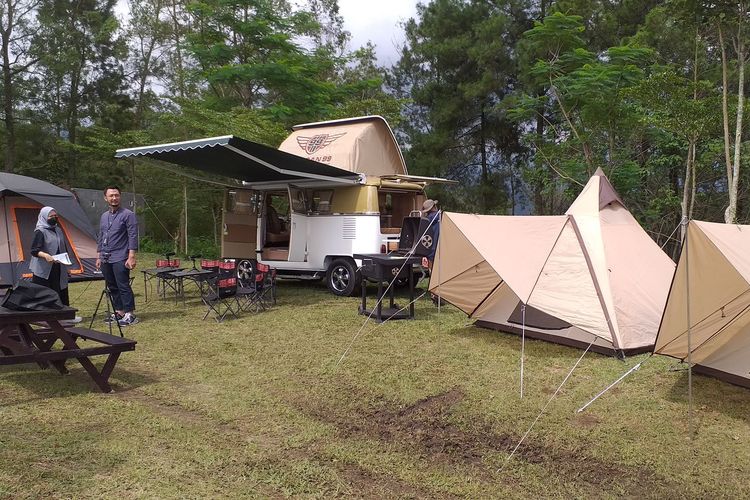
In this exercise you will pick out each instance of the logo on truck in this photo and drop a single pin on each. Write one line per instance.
(317, 142)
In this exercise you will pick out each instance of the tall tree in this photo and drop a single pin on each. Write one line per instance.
(81, 75)
(17, 27)
(458, 65)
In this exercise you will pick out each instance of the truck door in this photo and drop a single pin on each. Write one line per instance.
(299, 207)
(239, 224)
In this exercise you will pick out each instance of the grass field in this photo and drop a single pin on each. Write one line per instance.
(258, 407)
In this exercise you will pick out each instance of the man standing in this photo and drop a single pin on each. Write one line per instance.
(116, 247)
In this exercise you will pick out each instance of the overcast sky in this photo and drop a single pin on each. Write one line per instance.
(379, 22)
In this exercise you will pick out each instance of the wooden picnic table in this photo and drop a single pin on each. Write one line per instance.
(29, 336)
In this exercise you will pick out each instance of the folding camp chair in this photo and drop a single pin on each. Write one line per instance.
(268, 288)
(220, 297)
(256, 289)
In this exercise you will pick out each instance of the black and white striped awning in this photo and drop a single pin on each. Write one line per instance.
(240, 159)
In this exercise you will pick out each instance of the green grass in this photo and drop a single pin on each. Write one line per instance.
(258, 407)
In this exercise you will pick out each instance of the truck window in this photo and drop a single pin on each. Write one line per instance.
(299, 200)
(321, 201)
(240, 202)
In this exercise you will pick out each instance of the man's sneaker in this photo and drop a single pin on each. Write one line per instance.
(112, 318)
(127, 320)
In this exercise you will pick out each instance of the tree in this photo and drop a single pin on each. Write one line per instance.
(458, 65)
(80, 74)
(17, 27)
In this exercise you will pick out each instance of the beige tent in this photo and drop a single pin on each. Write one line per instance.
(714, 273)
(365, 145)
(590, 275)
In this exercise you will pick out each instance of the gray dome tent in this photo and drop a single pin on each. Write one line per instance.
(21, 198)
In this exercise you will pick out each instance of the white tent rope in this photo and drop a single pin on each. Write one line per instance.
(523, 341)
(672, 234)
(385, 292)
(545, 406)
(633, 369)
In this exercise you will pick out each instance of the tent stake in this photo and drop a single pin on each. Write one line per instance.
(545, 407)
(635, 368)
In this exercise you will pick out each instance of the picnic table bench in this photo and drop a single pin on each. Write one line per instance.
(29, 336)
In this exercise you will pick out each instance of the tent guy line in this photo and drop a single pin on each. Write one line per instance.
(633, 369)
(545, 406)
(385, 293)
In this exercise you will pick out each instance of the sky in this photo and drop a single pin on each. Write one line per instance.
(379, 22)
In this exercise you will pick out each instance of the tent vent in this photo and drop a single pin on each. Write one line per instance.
(350, 228)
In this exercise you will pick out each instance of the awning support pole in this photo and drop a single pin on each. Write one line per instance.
(523, 341)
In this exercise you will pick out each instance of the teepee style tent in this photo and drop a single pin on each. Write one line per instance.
(21, 198)
(590, 275)
(713, 281)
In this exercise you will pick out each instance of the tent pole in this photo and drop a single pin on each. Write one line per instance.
(135, 201)
(7, 236)
(184, 194)
(523, 341)
(440, 214)
(689, 336)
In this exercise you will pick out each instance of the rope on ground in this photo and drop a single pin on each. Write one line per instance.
(633, 369)
(545, 407)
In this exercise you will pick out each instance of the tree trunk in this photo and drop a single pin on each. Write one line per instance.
(587, 154)
(730, 216)
(725, 107)
(485, 169)
(8, 91)
(177, 51)
(686, 203)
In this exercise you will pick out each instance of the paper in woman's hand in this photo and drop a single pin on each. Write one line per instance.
(62, 258)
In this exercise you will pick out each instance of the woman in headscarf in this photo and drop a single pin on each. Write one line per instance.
(49, 240)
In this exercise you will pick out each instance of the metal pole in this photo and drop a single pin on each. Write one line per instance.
(523, 341)
(689, 336)
(185, 207)
(135, 201)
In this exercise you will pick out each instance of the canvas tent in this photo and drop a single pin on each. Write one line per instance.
(592, 274)
(713, 274)
(21, 198)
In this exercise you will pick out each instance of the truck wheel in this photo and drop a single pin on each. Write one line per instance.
(342, 277)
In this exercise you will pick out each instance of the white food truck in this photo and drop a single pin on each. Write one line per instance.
(333, 189)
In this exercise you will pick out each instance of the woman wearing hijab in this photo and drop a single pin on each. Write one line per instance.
(49, 240)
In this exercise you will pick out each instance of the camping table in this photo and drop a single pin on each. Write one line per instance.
(387, 268)
(197, 276)
(162, 277)
(22, 340)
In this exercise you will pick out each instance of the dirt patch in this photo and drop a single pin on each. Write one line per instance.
(426, 427)
(366, 484)
(586, 420)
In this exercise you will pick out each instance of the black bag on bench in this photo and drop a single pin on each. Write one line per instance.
(27, 296)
